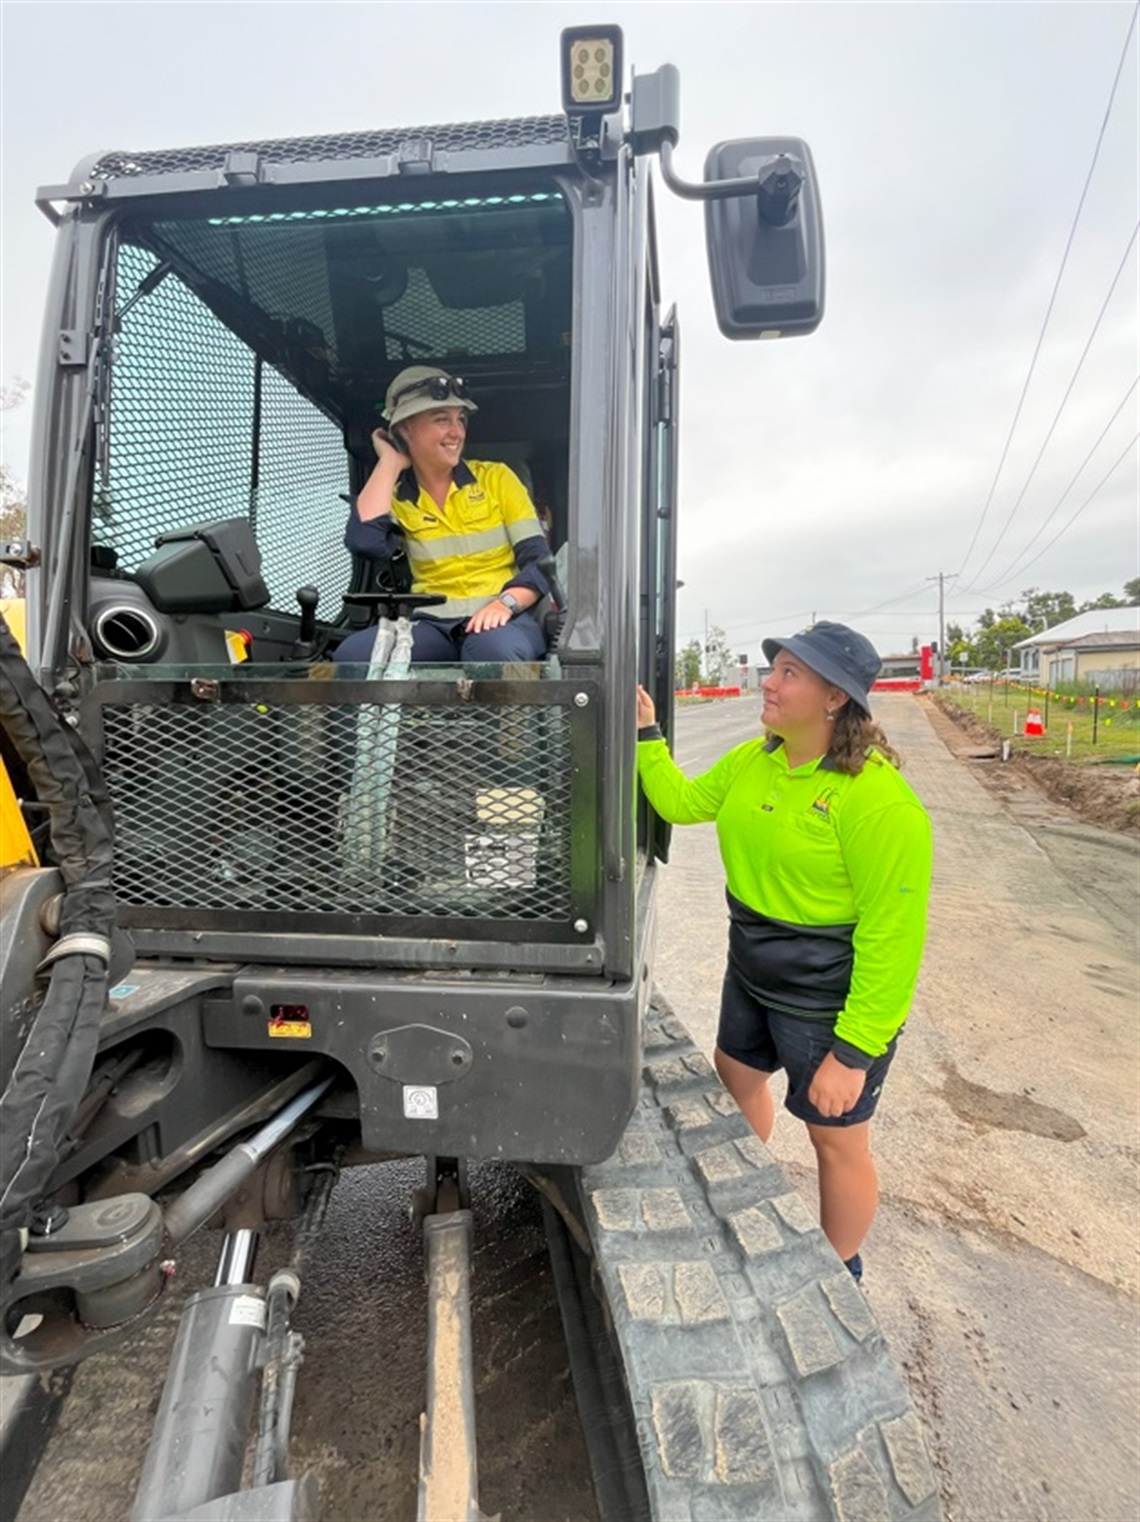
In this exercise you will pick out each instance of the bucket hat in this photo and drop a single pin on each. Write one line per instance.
(842, 657)
(419, 388)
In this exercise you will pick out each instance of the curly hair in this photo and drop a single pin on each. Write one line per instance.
(854, 734)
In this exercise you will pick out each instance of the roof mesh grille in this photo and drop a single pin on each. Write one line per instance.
(524, 132)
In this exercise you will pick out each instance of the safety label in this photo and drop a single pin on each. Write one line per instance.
(301, 1028)
(248, 1310)
(421, 1102)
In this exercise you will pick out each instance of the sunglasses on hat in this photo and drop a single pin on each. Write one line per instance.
(437, 387)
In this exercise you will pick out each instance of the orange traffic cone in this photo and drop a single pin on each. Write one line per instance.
(1033, 725)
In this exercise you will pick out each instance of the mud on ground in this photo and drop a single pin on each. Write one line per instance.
(1108, 796)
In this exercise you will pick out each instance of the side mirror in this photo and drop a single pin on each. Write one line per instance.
(765, 250)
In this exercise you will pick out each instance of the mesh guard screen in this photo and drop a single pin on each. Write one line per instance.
(296, 805)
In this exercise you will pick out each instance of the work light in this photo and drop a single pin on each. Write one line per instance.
(591, 70)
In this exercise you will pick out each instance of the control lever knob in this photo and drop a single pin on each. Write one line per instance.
(307, 599)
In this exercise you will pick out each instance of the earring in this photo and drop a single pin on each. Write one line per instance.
(829, 716)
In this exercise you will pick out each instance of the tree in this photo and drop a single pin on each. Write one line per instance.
(13, 525)
(957, 645)
(687, 667)
(991, 647)
(13, 499)
(718, 657)
(1043, 610)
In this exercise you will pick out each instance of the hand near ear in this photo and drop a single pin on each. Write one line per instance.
(386, 446)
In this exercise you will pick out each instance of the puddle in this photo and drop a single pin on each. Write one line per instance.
(1007, 1112)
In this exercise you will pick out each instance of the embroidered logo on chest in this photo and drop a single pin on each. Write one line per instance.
(821, 805)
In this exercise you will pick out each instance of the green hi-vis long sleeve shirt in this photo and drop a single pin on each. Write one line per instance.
(816, 860)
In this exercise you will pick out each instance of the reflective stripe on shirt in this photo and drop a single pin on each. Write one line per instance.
(465, 550)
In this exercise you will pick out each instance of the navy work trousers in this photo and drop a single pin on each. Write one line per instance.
(443, 641)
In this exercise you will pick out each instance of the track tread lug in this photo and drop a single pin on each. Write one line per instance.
(761, 1384)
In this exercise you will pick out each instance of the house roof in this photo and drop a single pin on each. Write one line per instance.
(1096, 621)
(1114, 639)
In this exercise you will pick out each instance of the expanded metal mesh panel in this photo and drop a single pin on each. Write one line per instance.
(410, 810)
(297, 512)
(339, 297)
(196, 434)
(455, 138)
(499, 329)
(273, 276)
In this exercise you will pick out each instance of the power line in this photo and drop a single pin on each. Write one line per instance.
(1102, 482)
(1053, 296)
(1057, 415)
(1014, 568)
(804, 614)
(889, 603)
(735, 632)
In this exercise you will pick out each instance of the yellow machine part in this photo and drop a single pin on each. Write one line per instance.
(16, 849)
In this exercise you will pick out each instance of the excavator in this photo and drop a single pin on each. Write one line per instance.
(268, 915)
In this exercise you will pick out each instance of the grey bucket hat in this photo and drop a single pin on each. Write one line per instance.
(847, 660)
(419, 388)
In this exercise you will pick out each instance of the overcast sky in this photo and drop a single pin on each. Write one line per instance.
(832, 474)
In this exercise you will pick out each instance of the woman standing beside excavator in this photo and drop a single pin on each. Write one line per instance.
(827, 854)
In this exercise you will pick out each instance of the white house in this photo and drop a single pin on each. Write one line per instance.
(1101, 647)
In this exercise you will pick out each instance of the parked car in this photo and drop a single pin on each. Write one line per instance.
(1010, 674)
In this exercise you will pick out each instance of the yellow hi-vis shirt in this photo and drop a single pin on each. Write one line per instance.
(466, 548)
(830, 874)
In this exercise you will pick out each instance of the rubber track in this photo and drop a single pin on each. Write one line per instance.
(761, 1385)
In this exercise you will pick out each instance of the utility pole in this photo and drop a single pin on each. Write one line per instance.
(941, 580)
(705, 649)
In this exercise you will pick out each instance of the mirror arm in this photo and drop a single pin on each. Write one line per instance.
(709, 190)
(776, 186)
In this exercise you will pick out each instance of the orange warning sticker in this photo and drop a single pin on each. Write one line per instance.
(297, 1028)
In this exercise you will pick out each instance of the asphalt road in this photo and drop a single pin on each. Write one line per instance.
(1003, 1263)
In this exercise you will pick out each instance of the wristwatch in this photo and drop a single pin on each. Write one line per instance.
(510, 602)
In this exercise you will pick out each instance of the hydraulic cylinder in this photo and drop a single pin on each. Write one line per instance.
(200, 1433)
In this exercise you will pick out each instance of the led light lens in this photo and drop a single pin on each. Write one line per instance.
(592, 74)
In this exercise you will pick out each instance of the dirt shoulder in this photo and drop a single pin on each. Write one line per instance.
(1106, 796)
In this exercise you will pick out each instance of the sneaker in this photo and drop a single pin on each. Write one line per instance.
(854, 1267)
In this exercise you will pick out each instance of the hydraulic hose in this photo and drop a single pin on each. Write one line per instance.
(51, 1072)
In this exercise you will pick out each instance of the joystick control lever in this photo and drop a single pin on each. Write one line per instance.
(303, 646)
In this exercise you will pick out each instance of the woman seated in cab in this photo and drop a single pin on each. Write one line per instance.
(470, 529)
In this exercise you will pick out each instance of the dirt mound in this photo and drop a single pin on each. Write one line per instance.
(1108, 796)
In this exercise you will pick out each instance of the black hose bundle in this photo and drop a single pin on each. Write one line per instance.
(51, 1071)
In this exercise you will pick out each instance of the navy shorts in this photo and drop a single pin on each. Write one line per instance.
(767, 1040)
